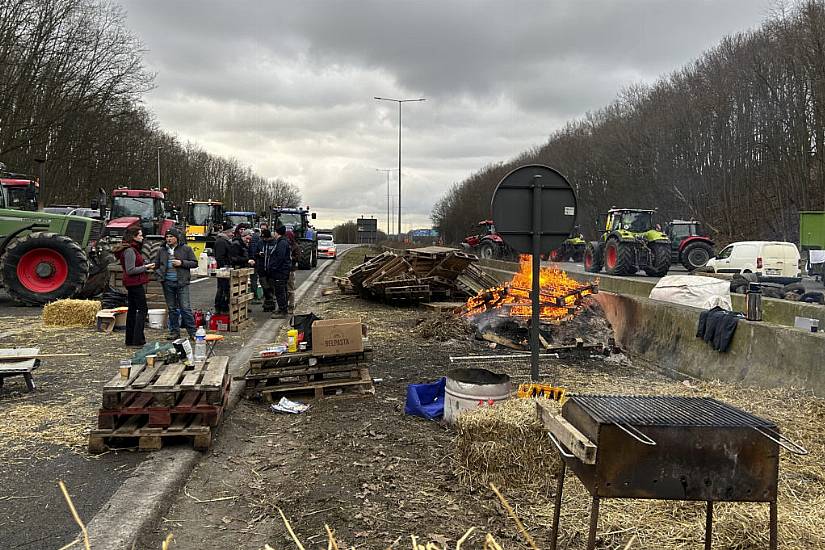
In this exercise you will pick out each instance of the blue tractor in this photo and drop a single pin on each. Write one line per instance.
(297, 220)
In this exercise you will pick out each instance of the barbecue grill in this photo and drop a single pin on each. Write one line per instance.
(668, 448)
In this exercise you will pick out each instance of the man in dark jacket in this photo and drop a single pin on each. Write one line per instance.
(222, 259)
(264, 258)
(278, 268)
(174, 263)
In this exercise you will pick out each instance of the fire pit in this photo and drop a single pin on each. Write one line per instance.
(560, 295)
(668, 448)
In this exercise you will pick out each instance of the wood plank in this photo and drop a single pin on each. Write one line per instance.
(567, 434)
(17, 353)
(118, 383)
(191, 378)
(216, 369)
(146, 376)
(169, 377)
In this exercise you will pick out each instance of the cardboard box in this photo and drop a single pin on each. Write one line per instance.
(336, 336)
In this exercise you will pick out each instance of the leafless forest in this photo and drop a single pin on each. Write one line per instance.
(734, 139)
(71, 82)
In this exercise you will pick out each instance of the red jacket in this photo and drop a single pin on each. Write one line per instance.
(138, 275)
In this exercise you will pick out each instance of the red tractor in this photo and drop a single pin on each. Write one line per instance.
(146, 207)
(687, 245)
(489, 244)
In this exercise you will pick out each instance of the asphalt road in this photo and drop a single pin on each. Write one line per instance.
(33, 513)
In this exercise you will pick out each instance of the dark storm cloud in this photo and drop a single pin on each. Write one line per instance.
(287, 86)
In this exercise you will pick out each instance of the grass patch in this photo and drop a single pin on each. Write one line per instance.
(354, 257)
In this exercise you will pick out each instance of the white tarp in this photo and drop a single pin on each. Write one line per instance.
(693, 290)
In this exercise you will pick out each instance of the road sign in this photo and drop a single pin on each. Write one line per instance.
(513, 202)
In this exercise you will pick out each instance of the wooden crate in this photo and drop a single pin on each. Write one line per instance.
(154, 290)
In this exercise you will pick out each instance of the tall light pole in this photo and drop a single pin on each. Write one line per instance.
(399, 101)
(158, 167)
(387, 171)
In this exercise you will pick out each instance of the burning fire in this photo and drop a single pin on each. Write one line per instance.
(560, 294)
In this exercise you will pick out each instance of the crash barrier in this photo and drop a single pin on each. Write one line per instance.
(780, 312)
(761, 354)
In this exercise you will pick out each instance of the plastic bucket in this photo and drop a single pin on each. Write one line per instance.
(157, 318)
(467, 388)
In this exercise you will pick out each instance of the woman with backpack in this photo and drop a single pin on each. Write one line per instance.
(135, 279)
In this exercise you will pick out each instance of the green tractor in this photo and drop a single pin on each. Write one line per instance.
(297, 220)
(630, 241)
(571, 249)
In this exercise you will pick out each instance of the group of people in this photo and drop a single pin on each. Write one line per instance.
(273, 256)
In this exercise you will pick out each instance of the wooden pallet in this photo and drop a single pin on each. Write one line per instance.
(137, 433)
(239, 316)
(294, 360)
(166, 384)
(444, 306)
(154, 289)
(319, 387)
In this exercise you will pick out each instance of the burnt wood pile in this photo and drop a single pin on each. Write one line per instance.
(417, 275)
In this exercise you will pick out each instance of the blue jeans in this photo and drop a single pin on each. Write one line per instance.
(180, 310)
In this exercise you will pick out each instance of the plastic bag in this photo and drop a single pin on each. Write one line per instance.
(303, 323)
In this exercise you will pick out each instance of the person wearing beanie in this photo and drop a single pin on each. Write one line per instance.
(174, 263)
(264, 259)
(278, 266)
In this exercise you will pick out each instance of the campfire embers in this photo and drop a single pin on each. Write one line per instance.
(560, 295)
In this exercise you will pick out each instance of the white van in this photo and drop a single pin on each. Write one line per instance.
(770, 258)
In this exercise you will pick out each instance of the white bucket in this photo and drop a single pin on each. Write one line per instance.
(465, 388)
(157, 318)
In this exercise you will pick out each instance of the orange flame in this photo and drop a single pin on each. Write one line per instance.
(559, 293)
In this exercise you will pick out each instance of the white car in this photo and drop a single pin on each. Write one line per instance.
(326, 246)
(770, 258)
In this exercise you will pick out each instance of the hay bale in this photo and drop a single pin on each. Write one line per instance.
(505, 444)
(71, 313)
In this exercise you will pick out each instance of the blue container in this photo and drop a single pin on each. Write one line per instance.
(426, 400)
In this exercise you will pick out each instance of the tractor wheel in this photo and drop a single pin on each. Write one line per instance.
(696, 255)
(150, 249)
(314, 256)
(578, 254)
(305, 261)
(42, 267)
(592, 258)
(661, 260)
(98, 277)
(618, 258)
(487, 251)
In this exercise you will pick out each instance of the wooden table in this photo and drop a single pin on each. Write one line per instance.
(10, 365)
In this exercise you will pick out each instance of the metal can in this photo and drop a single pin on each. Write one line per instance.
(302, 346)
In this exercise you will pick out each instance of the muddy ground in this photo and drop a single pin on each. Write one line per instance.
(376, 476)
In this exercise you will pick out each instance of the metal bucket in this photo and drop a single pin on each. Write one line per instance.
(465, 388)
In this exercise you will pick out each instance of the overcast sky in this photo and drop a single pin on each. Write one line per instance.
(287, 86)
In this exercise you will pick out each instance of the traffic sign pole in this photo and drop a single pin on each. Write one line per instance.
(535, 310)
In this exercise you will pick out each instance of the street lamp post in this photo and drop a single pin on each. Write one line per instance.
(387, 171)
(158, 167)
(399, 101)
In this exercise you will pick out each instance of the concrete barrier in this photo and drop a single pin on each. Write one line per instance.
(761, 354)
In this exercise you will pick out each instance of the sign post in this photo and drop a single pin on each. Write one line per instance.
(551, 200)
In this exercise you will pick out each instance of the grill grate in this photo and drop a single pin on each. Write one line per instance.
(666, 411)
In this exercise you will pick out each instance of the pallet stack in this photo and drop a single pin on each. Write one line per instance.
(240, 296)
(297, 375)
(160, 402)
(418, 275)
(154, 290)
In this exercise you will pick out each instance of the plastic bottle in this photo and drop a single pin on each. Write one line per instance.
(292, 340)
(203, 264)
(200, 347)
(208, 319)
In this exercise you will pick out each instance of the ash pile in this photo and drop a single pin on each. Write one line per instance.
(417, 275)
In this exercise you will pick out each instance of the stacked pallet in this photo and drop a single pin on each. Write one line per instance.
(306, 375)
(418, 275)
(240, 297)
(154, 290)
(160, 402)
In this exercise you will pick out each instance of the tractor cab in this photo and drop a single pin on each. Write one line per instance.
(146, 207)
(689, 246)
(19, 191)
(202, 218)
(297, 220)
(632, 221)
(236, 218)
(630, 241)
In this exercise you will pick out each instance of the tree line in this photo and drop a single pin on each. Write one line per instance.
(71, 82)
(734, 139)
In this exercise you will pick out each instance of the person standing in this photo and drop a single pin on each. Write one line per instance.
(135, 279)
(222, 259)
(279, 269)
(264, 258)
(254, 248)
(175, 261)
(295, 255)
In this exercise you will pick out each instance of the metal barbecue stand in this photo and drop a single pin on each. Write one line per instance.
(551, 199)
(666, 448)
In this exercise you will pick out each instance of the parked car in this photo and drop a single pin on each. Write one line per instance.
(86, 213)
(326, 246)
(770, 258)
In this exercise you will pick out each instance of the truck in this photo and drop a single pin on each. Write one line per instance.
(19, 190)
(297, 220)
(146, 207)
(202, 219)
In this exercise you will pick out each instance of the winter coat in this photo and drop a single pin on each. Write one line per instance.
(274, 260)
(238, 253)
(182, 252)
(222, 245)
(131, 260)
